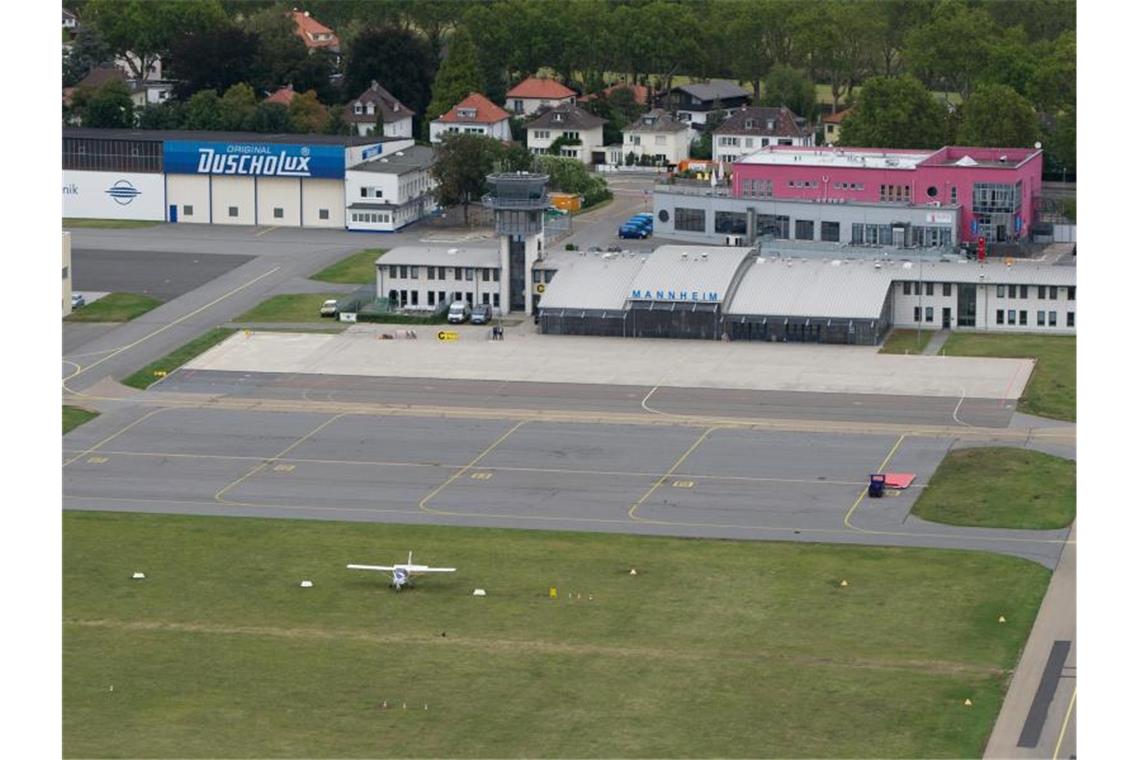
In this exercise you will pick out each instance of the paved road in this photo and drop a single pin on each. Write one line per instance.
(276, 260)
(491, 394)
(158, 274)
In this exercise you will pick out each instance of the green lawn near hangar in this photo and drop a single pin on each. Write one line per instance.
(715, 648)
(159, 368)
(904, 341)
(114, 307)
(359, 268)
(290, 307)
(74, 416)
(1052, 388)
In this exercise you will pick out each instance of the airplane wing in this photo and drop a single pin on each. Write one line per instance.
(380, 568)
(434, 570)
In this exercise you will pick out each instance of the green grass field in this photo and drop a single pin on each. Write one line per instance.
(902, 341)
(1052, 389)
(715, 648)
(1001, 488)
(146, 376)
(108, 224)
(291, 307)
(73, 417)
(114, 307)
(359, 268)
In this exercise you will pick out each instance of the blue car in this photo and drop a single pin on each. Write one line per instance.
(633, 231)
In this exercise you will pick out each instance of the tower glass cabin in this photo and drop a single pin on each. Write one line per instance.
(519, 201)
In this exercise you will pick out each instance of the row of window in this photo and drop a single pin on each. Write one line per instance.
(412, 272)
(97, 154)
(779, 226)
(235, 211)
(1043, 292)
(894, 193)
(440, 297)
(802, 183)
(372, 217)
(636, 139)
(1007, 317)
(946, 288)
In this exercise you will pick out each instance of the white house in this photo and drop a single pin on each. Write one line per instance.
(757, 127)
(390, 192)
(429, 277)
(378, 111)
(657, 135)
(528, 96)
(474, 115)
(582, 130)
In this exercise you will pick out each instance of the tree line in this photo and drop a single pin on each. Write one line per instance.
(430, 53)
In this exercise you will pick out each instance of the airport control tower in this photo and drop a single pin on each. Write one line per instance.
(519, 201)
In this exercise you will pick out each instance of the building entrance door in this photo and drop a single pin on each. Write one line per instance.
(946, 317)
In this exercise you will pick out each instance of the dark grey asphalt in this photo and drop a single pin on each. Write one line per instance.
(158, 274)
(659, 479)
(1046, 689)
(487, 394)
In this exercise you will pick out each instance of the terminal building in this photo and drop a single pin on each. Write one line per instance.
(243, 178)
(683, 291)
(864, 198)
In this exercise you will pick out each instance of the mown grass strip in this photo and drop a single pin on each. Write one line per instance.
(73, 417)
(357, 269)
(999, 487)
(108, 224)
(904, 341)
(1052, 388)
(156, 370)
(114, 307)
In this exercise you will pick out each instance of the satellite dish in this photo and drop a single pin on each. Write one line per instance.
(1037, 145)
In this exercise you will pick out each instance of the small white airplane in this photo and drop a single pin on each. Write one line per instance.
(403, 574)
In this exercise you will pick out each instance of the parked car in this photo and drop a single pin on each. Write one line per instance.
(481, 314)
(458, 312)
(78, 301)
(328, 308)
(633, 231)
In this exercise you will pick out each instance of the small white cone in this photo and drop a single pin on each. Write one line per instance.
(306, 584)
(138, 576)
(112, 687)
(968, 703)
(405, 705)
(633, 571)
(843, 584)
(1001, 618)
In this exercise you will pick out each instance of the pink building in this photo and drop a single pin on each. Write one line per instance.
(993, 188)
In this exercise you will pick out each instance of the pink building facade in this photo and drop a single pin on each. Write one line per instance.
(994, 189)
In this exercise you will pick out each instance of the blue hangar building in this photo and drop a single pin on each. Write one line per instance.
(245, 178)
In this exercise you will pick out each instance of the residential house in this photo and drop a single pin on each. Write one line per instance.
(756, 127)
(142, 93)
(534, 93)
(377, 111)
(474, 115)
(582, 130)
(640, 93)
(390, 192)
(284, 96)
(657, 135)
(153, 71)
(831, 126)
(70, 22)
(694, 102)
(314, 34)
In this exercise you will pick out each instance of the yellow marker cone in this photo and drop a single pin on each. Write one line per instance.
(553, 592)
(1001, 618)
(967, 703)
(843, 584)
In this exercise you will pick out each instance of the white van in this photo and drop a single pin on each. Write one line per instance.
(459, 312)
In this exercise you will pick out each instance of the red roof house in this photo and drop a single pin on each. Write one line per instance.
(313, 33)
(475, 114)
(534, 93)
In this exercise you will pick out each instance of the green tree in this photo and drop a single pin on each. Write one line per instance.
(237, 106)
(1053, 86)
(214, 60)
(785, 86)
(459, 75)
(516, 158)
(569, 175)
(307, 114)
(835, 37)
(203, 111)
(279, 52)
(141, 32)
(167, 115)
(996, 116)
(271, 118)
(702, 147)
(108, 107)
(951, 51)
(462, 163)
(400, 60)
(1061, 146)
(87, 52)
(1010, 60)
(894, 112)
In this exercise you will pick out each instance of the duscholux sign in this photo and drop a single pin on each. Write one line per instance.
(674, 295)
(253, 159)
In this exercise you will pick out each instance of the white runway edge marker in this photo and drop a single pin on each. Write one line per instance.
(138, 576)
(306, 584)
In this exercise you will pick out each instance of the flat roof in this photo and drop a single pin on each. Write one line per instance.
(863, 158)
(591, 280)
(442, 255)
(415, 158)
(159, 135)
